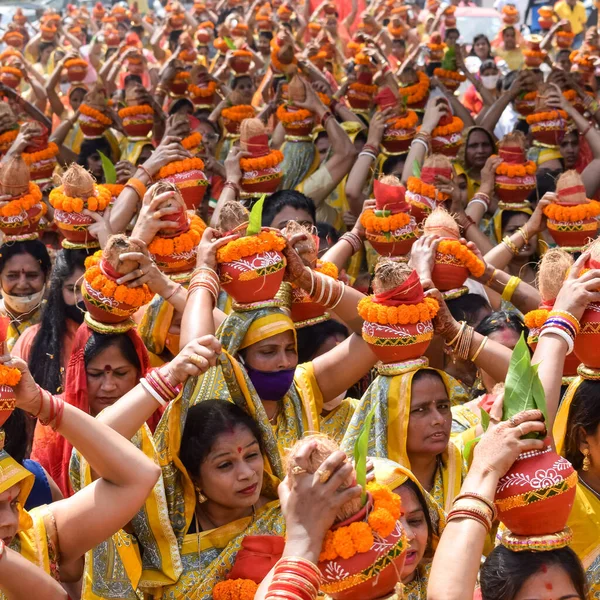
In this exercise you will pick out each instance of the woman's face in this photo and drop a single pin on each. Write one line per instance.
(71, 291)
(550, 584)
(275, 353)
(430, 418)
(322, 145)
(94, 166)
(510, 39)
(569, 149)
(109, 376)
(479, 149)
(246, 88)
(22, 276)
(288, 213)
(210, 138)
(512, 224)
(592, 443)
(232, 473)
(415, 525)
(76, 98)
(9, 513)
(482, 48)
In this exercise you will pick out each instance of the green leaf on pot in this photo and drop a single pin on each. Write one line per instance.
(416, 169)
(110, 173)
(485, 419)
(255, 222)
(468, 449)
(523, 389)
(229, 43)
(382, 213)
(360, 454)
(449, 60)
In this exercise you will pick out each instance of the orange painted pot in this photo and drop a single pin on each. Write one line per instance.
(10, 80)
(90, 127)
(420, 206)
(448, 273)
(232, 127)
(397, 141)
(42, 169)
(179, 87)
(545, 23)
(395, 243)
(8, 402)
(548, 132)
(76, 73)
(241, 64)
(254, 278)
(138, 125)
(303, 310)
(74, 226)
(586, 342)
(359, 100)
(192, 185)
(300, 128)
(448, 145)
(397, 343)
(573, 234)
(23, 223)
(525, 107)
(514, 190)
(103, 309)
(366, 575)
(537, 493)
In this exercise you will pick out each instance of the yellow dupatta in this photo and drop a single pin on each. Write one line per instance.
(14, 332)
(390, 393)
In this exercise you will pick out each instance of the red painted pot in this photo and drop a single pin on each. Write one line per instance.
(300, 128)
(254, 278)
(138, 125)
(586, 342)
(420, 206)
(366, 575)
(548, 132)
(42, 169)
(448, 145)
(564, 41)
(192, 185)
(302, 310)
(202, 101)
(10, 80)
(241, 64)
(24, 223)
(176, 263)
(76, 73)
(536, 495)
(397, 343)
(8, 402)
(545, 23)
(398, 144)
(179, 87)
(514, 190)
(232, 127)
(451, 84)
(359, 100)
(265, 181)
(525, 107)
(103, 309)
(448, 273)
(396, 243)
(74, 226)
(90, 127)
(573, 234)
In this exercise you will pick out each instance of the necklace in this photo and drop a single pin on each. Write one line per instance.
(589, 487)
(211, 522)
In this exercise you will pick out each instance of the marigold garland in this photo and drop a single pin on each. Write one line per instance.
(534, 53)
(534, 319)
(114, 188)
(47, 153)
(76, 62)
(404, 314)
(447, 74)
(238, 113)
(363, 88)
(134, 111)
(182, 76)
(184, 242)
(265, 241)
(512, 170)
(417, 186)
(97, 203)
(550, 115)
(93, 113)
(13, 71)
(276, 62)
(8, 137)
(181, 166)
(289, 116)
(9, 376)
(475, 266)
(572, 214)
(529, 96)
(380, 224)
(22, 204)
(235, 589)
(192, 141)
(327, 268)
(260, 163)
(202, 92)
(408, 121)
(416, 92)
(443, 130)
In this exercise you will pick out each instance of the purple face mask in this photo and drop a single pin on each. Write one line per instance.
(271, 385)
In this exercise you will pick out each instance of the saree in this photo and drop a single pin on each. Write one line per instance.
(390, 395)
(14, 329)
(154, 327)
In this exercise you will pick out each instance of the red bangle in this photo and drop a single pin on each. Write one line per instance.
(233, 186)
(146, 172)
(371, 148)
(326, 115)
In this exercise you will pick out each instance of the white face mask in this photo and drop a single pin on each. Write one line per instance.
(23, 304)
(490, 81)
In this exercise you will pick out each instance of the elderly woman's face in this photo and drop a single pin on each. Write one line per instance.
(478, 150)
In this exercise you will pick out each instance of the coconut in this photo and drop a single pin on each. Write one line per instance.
(174, 201)
(570, 188)
(134, 95)
(544, 91)
(389, 274)
(297, 89)
(232, 215)
(553, 269)
(594, 250)
(440, 222)
(513, 138)
(77, 182)
(390, 180)
(324, 447)
(248, 129)
(307, 248)
(96, 99)
(14, 177)
(436, 164)
(116, 246)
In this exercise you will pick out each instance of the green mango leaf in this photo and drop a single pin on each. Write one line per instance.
(416, 169)
(360, 454)
(449, 60)
(485, 419)
(468, 449)
(110, 173)
(229, 43)
(255, 223)
(539, 396)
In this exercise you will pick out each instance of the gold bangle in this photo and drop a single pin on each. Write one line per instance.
(463, 324)
(478, 351)
(489, 281)
(465, 343)
(512, 247)
(509, 289)
(524, 235)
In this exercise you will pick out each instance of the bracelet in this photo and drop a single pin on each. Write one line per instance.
(160, 89)
(479, 201)
(562, 323)
(55, 413)
(365, 153)
(463, 324)
(353, 239)
(370, 148)
(143, 168)
(473, 508)
(233, 186)
(326, 116)
(333, 105)
(417, 140)
(327, 291)
(144, 383)
(566, 315)
(464, 343)
(512, 247)
(509, 289)
(206, 278)
(491, 279)
(137, 186)
(524, 235)
(481, 347)
(173, 390)
(294, 578)
(175, 290)
(472, 515)
(470, 222)
(489, 503)
(560, 333)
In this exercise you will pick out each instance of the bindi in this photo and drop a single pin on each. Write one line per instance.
(239, 450)
(548, 586)
(544, 569)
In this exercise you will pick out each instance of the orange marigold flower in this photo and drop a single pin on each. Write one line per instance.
(88, 111)
(238, 113)
(534, 319)
(446, 74)
(184, 242)
(20, 205)
(342, 541)
(133, 111)
(408, 121)
(513, 170)
(33, 157)
(264, 241)
(9, 376)
(292, 116)
(550, 115)
(328, 550)
(455, 127)
(416, 92)
(181, 166)
(475, 266)
(374, 223)
(99, 202)
(404, 314)
(363, 88)
(235, 589)
(417, 186)
(574, 213)
(382, 522)
(202, 92)
(362, 536)
(260, 163)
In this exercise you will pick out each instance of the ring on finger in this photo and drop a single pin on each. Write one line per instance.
(197, 359)
(297, 470)
(512, 422)
(324, 475)
(520, 428)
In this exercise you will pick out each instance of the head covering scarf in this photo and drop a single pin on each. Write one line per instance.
(390, 394)
(460, 164)
(12, 473)
(525, 208)
(50, 448)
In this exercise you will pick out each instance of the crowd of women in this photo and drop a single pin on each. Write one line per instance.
(298, 300)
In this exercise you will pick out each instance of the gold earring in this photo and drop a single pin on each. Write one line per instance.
(586, 460)
(201, 497)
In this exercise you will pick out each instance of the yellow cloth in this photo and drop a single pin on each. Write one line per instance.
(513, 58)
(334, 423)
(472, 184)
(576, 15)
(15, 330)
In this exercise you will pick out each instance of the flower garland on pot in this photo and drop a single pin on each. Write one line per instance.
(188, 175)
(510, 14)
(545, 14)
(138, 120)
(77, 192)
(447, 138)
(454, 262)
(572, 217)
(179, 85)
(525, 103)
(9, 136)
(40, 154)
(283, 59)
(261, 170)
(92, 121)
(448, 72)
(193, 142)
(203, 94)
(547, 126)
(401, 128)
(390, 228)
(111, 305)
(360, 93)
(416, 93)
(421, 191)
(77, 69)
(532, 53)
(515, 175)
(232, 117)
(436, 47)
(9, 379)
(235, 589)
(297, 122)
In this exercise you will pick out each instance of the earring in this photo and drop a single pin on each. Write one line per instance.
(586, 460)
(201, 497)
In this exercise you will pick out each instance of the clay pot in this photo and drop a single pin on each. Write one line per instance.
(254, 278)
(305, 311)
(42, 169)
(105, 310)
(138, 125)
(572, 234)
(8, 402)
(548, 132)
(564, 41)
(299, 128)
(179, 87)
(359, 100)
(74, 226)
(514, 190)
(192, 185)
(22, 224)
(586, 342)
(396, 243)
(525, 107)
(544, 484)
(240, 64)
(10, 80)
(76, 73)
(265, 181)
(397, 343)
(378, 568)
(90, 127)
(448, 273)
(448, 145)
(397, 142)
(420, 206)
(179, 263)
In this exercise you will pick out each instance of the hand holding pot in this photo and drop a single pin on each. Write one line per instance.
(194, 359)
(577, 292)
(422, 258)
(209, 244)
(150, 219)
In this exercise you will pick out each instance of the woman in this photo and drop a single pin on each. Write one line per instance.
(24, 270)
(46, 347)
(480, 50)
(478, 147)
(509, 50)
(483, 91)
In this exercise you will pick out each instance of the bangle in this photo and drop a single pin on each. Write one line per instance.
(143, 168)
(469, 223)
(463, 324)
(326, 116)
(365, 153)
(144, 383)
(464, 343)
(173, 390)
(524, 235)
(566, 336)
(333, 104)
(489, 503)
(478, 351)
(565, 314)
(137, 186)
(175, 290)
(370, 148)
(479, 201)
(327, 291)
(206, 278)
(491, 279)
(233, 186)
(354, 241)
(417, 140)
(512, 247)
(509, 289)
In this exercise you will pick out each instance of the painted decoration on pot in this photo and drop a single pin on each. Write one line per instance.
(390, 228)
(421, 191)
(446, 137)
(515, 175)
(525, 103)
(532, 53)
(188, 175)
(448, 72)
(415, 89)
(400, 129)
(40, 154)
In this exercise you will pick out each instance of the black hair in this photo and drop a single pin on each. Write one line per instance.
(449, 31)
(266, 34)
(47, 347)
(34, 248)
(179, 104)
(546, 180)
(311, 338)
(505, 572)
(506, 216)
(488, 63)
(238, 79)
(91, 146)
(174, 38)
(509, 79)
(328, 234)
(17, 439)
(391, 162)
(399, 42)
(205, 422)
(584, 414)
(414, 488)
(44, 45)
(502, 319)
(99, 342)
(478, 38)
(427, 373)
(465, 308)
(138, 29)
(132, 78)
(276, 202)
(213, 124)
